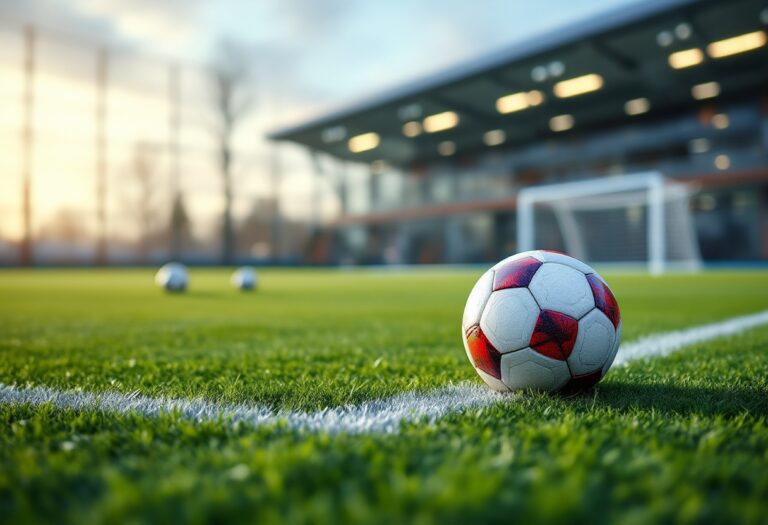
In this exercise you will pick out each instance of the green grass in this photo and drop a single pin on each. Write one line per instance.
(680, 439)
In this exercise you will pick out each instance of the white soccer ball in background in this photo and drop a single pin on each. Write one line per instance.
(244, 278)
(541, 320)
(173, 277)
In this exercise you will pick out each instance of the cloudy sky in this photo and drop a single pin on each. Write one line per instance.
(309, 55)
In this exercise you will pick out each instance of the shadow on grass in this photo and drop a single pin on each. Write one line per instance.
(199, 294)
(681, 399)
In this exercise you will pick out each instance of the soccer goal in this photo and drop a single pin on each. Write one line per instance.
(641, 218)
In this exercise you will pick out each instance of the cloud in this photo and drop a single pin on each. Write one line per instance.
(167, 25)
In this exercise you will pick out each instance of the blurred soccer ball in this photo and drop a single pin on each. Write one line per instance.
(244, 278)
(541, 320)
(173, 277)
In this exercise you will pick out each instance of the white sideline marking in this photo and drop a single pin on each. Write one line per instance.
(379, 416)
(663, 344)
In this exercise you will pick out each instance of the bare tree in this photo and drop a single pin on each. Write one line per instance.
(232, 97)
(179, 228)
(65, 226)
(144, 175)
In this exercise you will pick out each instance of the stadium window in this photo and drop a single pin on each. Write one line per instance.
(333, 134)
(410, 112)
(699, 145)
(379, 166)
(704, 202)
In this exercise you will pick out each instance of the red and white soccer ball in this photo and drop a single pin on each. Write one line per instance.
(541, 320)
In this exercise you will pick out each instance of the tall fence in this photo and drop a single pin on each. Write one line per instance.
(110, 156)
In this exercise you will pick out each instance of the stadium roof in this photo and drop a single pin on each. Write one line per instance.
(641, 59)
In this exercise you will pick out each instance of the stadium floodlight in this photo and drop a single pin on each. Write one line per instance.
(494, 137)
(412, 129)
(561, 123)
(720, 121)
(556, 68)
(364, 142)
(665, 39)
(637, 106)
(640, 218)
(705, 90)
(683, 31)
(539, 74)
(578, 85)
(736, 44)
(441, 121)
(519, 101)
(446, 148)
(722, 162)
(686, 58)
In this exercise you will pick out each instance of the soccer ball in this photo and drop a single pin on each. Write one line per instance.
(541, 320)
(244, 278)
(173, 277)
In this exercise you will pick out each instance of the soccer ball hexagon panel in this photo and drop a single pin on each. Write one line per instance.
(541, 320)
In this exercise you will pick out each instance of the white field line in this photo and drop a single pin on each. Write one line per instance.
(379, 416)
(665, 343)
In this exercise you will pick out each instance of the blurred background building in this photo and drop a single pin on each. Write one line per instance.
(680, 87)
(122, 151)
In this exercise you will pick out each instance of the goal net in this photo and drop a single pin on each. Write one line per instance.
(641, 218)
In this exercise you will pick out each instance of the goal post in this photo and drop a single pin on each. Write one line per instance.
(639, 218)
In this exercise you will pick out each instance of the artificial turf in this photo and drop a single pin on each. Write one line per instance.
(678, 439)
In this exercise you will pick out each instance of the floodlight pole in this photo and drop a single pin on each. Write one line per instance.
(342, 187)
(27, 139)
(174, 127)
(316, 188)
(275, 172)
(373, 189)
(101, 156)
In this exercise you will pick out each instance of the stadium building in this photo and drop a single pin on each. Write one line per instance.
(678, 87)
